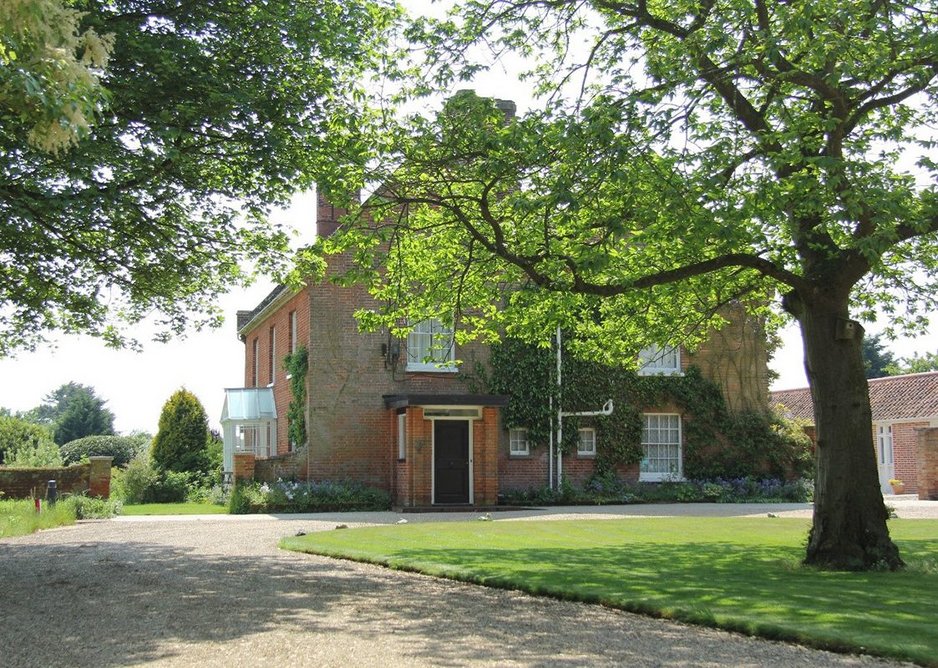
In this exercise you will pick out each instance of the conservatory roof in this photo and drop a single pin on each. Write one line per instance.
(249, 404)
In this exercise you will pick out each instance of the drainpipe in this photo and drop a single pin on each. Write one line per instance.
(550, 449)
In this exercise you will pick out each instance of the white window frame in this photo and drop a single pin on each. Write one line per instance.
(674, 472)
(658, 360)
(255, 364)
(586, 447)
(518, 445)
(402, 436)
(452, 412)
(423, 344)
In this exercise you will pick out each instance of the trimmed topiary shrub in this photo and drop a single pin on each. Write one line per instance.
(121, 448)
(180, 443)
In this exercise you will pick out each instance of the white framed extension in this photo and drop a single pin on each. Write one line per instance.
(249, 424)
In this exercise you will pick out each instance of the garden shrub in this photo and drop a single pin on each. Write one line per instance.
(180, 443)
(302, 497)
(606, 489)
(26, 444)
(140, 482)
(92, 508)
(121, 448)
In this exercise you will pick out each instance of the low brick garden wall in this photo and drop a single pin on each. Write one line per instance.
(93, 477)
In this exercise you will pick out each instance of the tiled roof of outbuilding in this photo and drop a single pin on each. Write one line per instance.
(911, 396)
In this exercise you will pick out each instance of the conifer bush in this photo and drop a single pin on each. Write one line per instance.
(180, 443)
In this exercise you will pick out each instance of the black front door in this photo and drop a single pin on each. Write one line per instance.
(451, 461)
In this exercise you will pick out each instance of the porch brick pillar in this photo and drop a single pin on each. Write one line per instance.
(99, 476)
(243, 467)
(927, 451)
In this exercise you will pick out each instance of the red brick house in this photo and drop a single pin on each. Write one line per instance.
(381, 413)
(902, 406)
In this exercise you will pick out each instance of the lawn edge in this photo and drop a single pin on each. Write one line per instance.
(732, 625)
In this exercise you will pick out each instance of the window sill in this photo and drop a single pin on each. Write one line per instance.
(586, 455)
(519, 455)
(429, 368)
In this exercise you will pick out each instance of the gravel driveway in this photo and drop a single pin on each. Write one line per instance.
(217, 591)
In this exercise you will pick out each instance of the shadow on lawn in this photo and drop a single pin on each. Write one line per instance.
(756, 590)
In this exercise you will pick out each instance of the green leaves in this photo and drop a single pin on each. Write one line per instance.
(218, 111)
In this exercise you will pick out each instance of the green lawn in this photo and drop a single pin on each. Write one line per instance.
(740, 573)
(175, 509)
(19, 517)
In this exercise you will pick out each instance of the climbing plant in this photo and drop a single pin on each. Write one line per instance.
(717, 441)
(296, 365)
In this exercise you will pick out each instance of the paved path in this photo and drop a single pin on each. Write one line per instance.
(216, 591)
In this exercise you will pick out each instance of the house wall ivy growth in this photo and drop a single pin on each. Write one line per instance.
(717, 441)
(297, 365)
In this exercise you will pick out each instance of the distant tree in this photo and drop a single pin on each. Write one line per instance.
(914, 364)
(73, 411)
(84, 415)
(24, 443)
(876, 357)
(181, 441)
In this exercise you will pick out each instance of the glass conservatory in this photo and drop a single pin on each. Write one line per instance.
(249, 424)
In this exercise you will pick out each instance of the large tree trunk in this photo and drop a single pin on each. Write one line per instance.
(849, 531)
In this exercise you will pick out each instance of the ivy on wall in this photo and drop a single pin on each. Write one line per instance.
(297, 365)
(717, 442)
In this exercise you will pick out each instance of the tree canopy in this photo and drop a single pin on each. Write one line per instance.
(49, 72)
(914, 364)
(206, 115)
(683, 155)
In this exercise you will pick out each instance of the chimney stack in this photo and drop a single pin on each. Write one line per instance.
(327, 215)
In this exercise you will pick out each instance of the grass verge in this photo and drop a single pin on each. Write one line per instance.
(175, 509)
(742, 574)
(18, 517)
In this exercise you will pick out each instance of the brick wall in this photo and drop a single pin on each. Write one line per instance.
(94, 477)
(352, 434)
(736, 359)
(289, 466)
(927, 474)
(485, 435)
(277, 322)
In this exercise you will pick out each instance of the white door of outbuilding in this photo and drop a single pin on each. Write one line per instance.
(885, 457)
